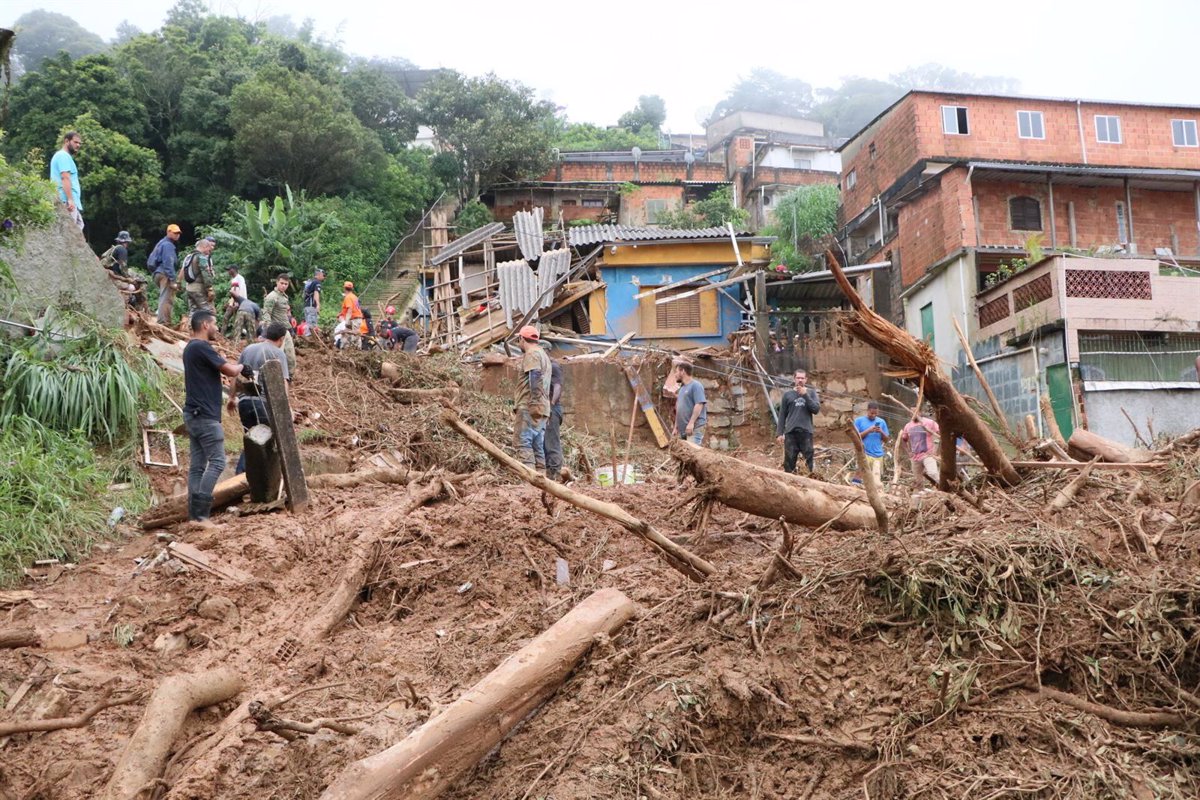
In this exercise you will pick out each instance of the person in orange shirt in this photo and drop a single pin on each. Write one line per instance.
(351, 311)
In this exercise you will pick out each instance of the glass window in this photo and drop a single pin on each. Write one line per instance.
(852, 179)
(1183, 132)
(954, 120)
(1108, 129)
(1030, 125)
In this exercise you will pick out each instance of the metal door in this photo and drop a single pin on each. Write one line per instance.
(1058, 379)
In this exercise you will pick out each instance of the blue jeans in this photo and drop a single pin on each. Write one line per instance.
(697, 437)
(529, 437)
(310, 318)
(553, 443)
(207, 439)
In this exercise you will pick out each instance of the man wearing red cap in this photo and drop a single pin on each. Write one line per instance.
(395, 334)
(532, 402)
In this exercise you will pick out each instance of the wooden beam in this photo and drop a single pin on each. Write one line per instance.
(740, 279)
(647, 404)
(684, 282)
(617, 344)
(262, 464)
(1082, 464)
(280, 412)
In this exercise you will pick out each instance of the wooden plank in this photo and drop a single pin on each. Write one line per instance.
(647, 405)
(199, 559)
(683, 282)
(617, 344)
(263, 472)
(740, 279)
(586, 288)
(280, 412)
(1082, 464)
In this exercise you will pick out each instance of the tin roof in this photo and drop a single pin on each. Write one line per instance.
(599, 234)
(464, 243)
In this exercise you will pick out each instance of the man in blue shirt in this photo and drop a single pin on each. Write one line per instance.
(161, 264)
(874, 432)
(65, 175)
(691, 407)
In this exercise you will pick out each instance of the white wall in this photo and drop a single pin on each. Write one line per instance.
(951, 292)
(784, 156)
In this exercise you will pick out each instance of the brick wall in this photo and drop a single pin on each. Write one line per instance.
(896, 150)
(620, 171)
(633, 205)
(934, 225)
(1160, 219)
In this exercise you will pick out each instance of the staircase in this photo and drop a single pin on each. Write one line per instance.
(398, 281)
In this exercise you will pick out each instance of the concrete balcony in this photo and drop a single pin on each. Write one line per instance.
(1090, 294)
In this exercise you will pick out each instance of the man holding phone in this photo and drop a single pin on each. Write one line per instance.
(874, 432)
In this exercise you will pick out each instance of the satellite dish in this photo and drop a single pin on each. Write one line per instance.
(637, 153)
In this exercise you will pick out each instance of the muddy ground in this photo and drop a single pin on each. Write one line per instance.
(880, 666)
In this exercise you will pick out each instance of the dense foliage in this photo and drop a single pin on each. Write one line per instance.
(716, 209)
(802, 220)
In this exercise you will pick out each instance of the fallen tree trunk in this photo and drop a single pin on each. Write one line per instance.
(677, 556)
(874, 491)
(415, 396)
(353, 575)
(146, 751)
(1050, 422)
(1092, 445)
(772, 493)
(175, 510)
(19, 637)
(920, 362)
(343, 480)
(446, 747)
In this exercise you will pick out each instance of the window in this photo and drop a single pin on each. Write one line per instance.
(801, 163)
(871, 149)
(1183, 133)
(1030, 125)
(689, 316)
(1025, 214)
(927, 323)
(654, 210)
(1108, 129)
(954, 120)
(1122, 224)
(592, 202)
(851, 179)
(570, 203)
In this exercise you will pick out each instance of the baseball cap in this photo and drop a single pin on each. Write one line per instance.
(531, 333)
(173, 228)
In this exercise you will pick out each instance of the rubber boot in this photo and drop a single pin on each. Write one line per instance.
(192, 508)
(203, 506)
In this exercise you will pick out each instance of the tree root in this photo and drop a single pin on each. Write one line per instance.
(63, 723)
(1127, 719)
(289, 729)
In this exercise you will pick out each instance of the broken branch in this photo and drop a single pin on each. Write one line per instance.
(62, 723)
(1128, 719)
(874, 494)
(1064, 497)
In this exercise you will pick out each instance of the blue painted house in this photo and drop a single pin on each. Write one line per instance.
(636, 260)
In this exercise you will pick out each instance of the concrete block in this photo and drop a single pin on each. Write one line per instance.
(718, 405)
(736, 389)
(835, 386)
(718, 421)
(739, 403)
(708, 383)
(737, 419)
(857, 385)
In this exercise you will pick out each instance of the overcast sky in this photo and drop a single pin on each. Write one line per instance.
(596, 57)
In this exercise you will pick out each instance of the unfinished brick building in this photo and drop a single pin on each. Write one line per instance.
(961, 192)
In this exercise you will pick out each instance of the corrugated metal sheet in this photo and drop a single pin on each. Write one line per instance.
(530, 238)
(519, 288)
(552, 267)
(464, 243)
(599, 234)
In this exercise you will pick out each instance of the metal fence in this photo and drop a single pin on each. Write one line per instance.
(1138, 356)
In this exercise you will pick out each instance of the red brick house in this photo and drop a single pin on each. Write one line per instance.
(953, 187)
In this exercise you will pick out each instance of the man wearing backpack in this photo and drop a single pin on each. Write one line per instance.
(161, 264)
(116, 258)
(197, 276)
(312, 302)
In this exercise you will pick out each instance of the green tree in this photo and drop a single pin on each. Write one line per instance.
(802, 220)
(44, 102)
(496, 129)
(471, 216)
(650, 112)
(291, 129)
(716, 209)
(940, 77)
(120, 181)
(378, 101)
(584, 136)
(848, 108)
(43, 34)
(281, 233)
(770, 92)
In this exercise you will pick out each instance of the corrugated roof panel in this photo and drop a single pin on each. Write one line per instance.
(530, 237)
(598, 234)
(464, 243)
(519, 288)
(552, 267)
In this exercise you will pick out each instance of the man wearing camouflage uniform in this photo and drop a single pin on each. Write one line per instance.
(277, 308)
(196, 274)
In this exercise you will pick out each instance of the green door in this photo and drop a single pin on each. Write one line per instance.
(927, 323)
(1061, 402)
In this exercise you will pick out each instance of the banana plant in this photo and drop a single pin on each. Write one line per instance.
(269, 237)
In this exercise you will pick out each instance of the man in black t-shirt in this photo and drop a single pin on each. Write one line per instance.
(202, 371)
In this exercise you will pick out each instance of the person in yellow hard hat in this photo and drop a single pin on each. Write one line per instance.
(532, 403)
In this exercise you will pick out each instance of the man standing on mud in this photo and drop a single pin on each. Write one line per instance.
(921, 435)
(161, 263)
(554, 450)
(795, 428)
(278, 309)
(691, 406)
(532, 406)
(202, 371)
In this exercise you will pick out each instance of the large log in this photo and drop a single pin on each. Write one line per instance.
(262, 464)
(772, 493)
(446, 747)
(677, 556)
(1092, 445)
(286, 444)
(919, 362)
(146, 751)
(175, 510)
